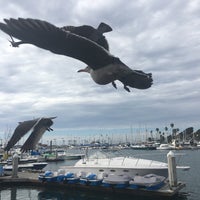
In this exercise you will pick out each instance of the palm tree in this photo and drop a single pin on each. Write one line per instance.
(166, 132)
(151, 132)
(172, 126)
(157, 130)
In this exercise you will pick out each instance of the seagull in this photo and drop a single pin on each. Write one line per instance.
(38, 126)
(42, 125)
(103, 67)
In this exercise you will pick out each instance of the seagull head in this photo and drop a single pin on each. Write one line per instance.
(87, 69)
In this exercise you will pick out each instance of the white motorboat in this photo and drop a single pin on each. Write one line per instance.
(126, 173)
(27, 166)
(129, 166)
(166, 147)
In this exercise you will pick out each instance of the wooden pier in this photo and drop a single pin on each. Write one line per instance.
(28, 179)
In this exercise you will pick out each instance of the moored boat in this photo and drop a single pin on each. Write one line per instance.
(166, 147)
(53, 157)
(73, 156)
(119, 165)
(118, 173)
(116, 181)
(70, 178)
(143, 147)
(27, 166)
(149, 182)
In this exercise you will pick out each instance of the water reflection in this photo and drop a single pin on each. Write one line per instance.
(82, 195)
(13, 193)
(16, 193)
(50, 195)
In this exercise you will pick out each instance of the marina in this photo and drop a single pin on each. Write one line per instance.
(189, 181)
(117, 176)
(125, 129)
(99, 166)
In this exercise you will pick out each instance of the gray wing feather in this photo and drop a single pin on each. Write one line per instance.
(47, 36)
(19, 132)
(96, 35)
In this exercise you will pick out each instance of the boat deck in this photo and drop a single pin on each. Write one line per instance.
(31, 179)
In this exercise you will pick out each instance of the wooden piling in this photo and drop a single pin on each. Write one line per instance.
(15, 166)
(172, 169)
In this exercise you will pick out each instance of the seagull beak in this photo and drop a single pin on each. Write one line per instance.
(81, 70)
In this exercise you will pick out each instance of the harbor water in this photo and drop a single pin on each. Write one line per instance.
(186, 157)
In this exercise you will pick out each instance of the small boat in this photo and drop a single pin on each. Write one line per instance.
(53, 157)
(73, 156)
(63, 155)
(91, 179)
(143, 147)
(149, 182)
(70, 178)
(27, 166)
(116, 181)
(85, 178)
(50, 176)
(166, 147)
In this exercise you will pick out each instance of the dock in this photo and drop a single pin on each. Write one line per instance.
(30, 179)
(170, 187)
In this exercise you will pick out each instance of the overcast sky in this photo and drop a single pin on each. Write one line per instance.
(161, 37)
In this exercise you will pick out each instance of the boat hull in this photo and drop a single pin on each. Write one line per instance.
(118, 171)
(28, 166)
(119, 165)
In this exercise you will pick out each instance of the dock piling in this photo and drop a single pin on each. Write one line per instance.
(172, 169)
(15, 166)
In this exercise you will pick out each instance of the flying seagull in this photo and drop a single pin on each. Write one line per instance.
(38, 127)
(42, 125)
(103, 67)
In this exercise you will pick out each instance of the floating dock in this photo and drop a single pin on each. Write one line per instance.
(171, 186)
(31, 179)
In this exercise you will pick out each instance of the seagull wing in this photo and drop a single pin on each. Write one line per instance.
(47, 36)
(42, 125)
(19, 132)
(96, 35)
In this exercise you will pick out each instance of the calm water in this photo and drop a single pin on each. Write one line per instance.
(191, 177)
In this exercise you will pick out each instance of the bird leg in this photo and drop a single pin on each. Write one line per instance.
(114, 84)
(126, 88)
(15, 44)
